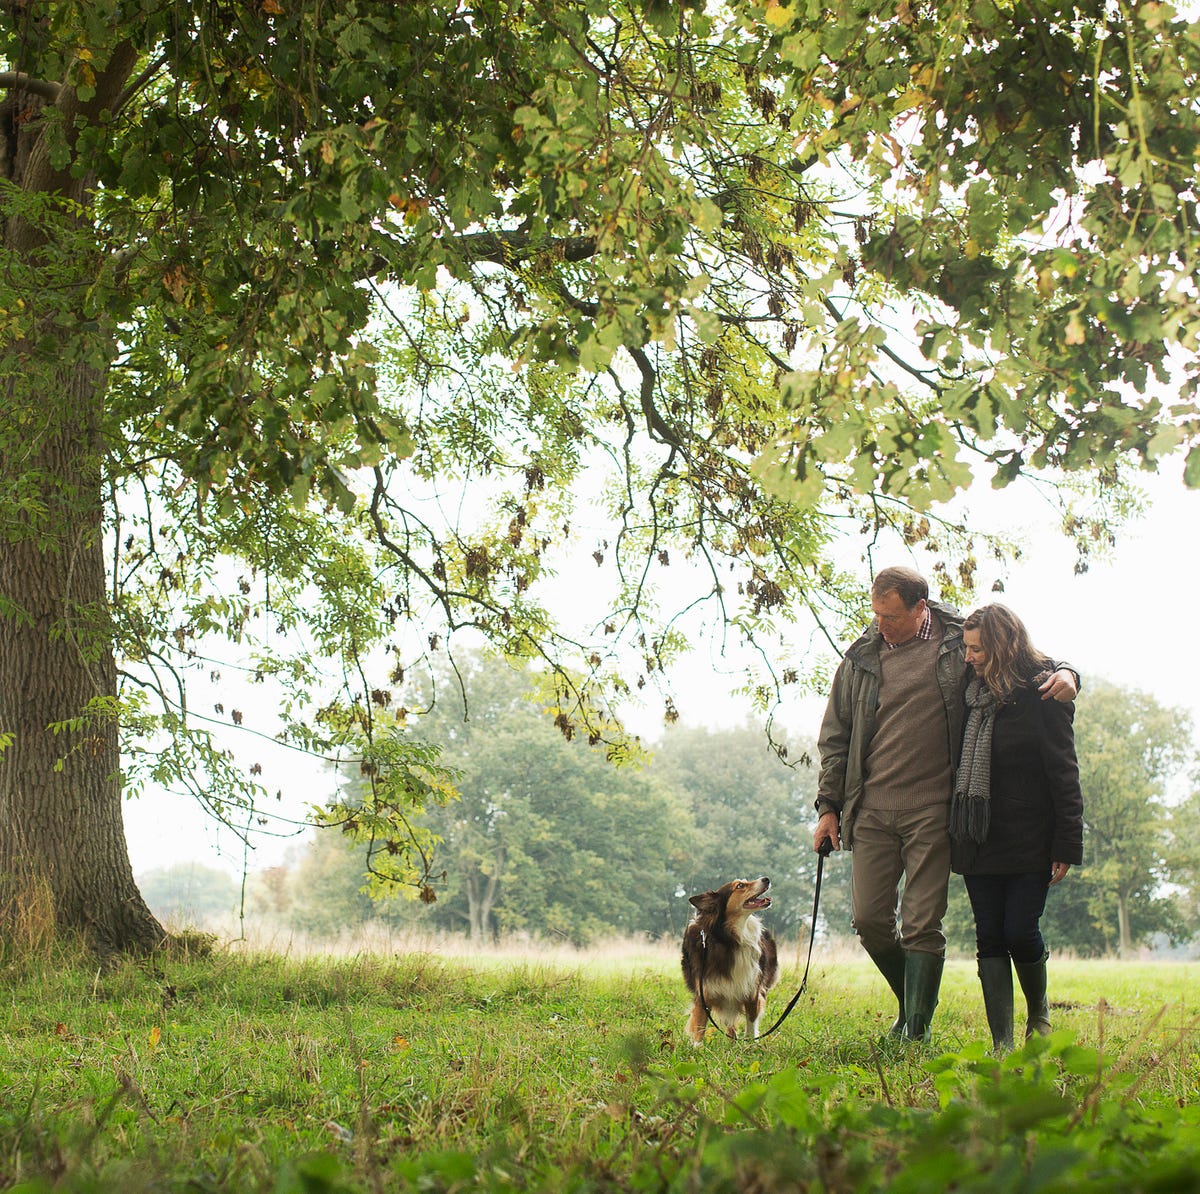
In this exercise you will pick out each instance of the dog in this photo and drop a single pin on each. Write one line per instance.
(729, 954)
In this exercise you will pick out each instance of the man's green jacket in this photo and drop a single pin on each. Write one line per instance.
(849, 722)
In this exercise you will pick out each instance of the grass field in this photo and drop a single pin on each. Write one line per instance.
(424, 1071)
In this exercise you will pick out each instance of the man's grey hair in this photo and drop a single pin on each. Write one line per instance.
(910, 585)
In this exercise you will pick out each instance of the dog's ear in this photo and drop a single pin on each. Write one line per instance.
(707, 901)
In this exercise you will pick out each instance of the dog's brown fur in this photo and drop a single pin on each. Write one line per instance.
(727, 948)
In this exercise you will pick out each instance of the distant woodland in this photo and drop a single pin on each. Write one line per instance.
(549, 840)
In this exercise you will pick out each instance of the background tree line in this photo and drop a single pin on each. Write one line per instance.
(552, 841)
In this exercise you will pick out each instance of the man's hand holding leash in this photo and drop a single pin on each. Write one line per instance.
(827, 830)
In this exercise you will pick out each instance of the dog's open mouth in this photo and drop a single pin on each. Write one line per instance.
(762, 901)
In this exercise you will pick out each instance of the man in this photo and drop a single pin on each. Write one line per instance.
(889, 744)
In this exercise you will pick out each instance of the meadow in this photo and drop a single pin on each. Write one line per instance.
(414, 1068)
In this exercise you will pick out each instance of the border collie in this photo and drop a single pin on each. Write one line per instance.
(728, 950)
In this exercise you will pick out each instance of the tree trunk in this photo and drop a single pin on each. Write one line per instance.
(481, 898)
(64, 862)
(1124, 935)
(475, 913)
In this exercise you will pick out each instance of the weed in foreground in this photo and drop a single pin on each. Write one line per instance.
(259, 1073)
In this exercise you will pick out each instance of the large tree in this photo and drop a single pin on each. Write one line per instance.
(278, 273)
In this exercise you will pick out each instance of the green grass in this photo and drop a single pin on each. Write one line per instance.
(421, 1071)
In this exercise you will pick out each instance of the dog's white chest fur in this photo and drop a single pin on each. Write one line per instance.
(742, 980)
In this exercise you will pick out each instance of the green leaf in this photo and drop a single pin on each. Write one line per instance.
(1191, 469)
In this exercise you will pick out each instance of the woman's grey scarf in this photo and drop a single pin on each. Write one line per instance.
(969, 807)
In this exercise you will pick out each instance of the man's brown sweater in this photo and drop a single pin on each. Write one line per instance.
(908, 761)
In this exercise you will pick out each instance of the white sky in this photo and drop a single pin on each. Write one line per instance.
(1127, 620)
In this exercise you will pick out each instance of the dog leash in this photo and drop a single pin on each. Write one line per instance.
(823, 852)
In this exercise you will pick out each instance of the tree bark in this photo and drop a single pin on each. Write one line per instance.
(62, 836)
(63, 853)
(1124, 934)
(481, 898)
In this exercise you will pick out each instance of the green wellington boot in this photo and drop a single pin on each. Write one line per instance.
(922, 978)
(995, 977)
(1032, 976)
(890, 964)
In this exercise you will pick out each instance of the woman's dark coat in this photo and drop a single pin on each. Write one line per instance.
(1036, 805)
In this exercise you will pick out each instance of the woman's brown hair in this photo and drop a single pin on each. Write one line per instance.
(1012, 661)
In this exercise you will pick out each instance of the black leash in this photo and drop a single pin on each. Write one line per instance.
(823, 852)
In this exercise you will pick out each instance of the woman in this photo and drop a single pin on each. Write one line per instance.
(1016, 817)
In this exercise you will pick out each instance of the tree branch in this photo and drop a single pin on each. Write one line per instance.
(654, 421)
(15, 80)
(137, 84)
(502, 247)
(505, 249)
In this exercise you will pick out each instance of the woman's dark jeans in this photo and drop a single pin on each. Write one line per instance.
(1007, 910)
